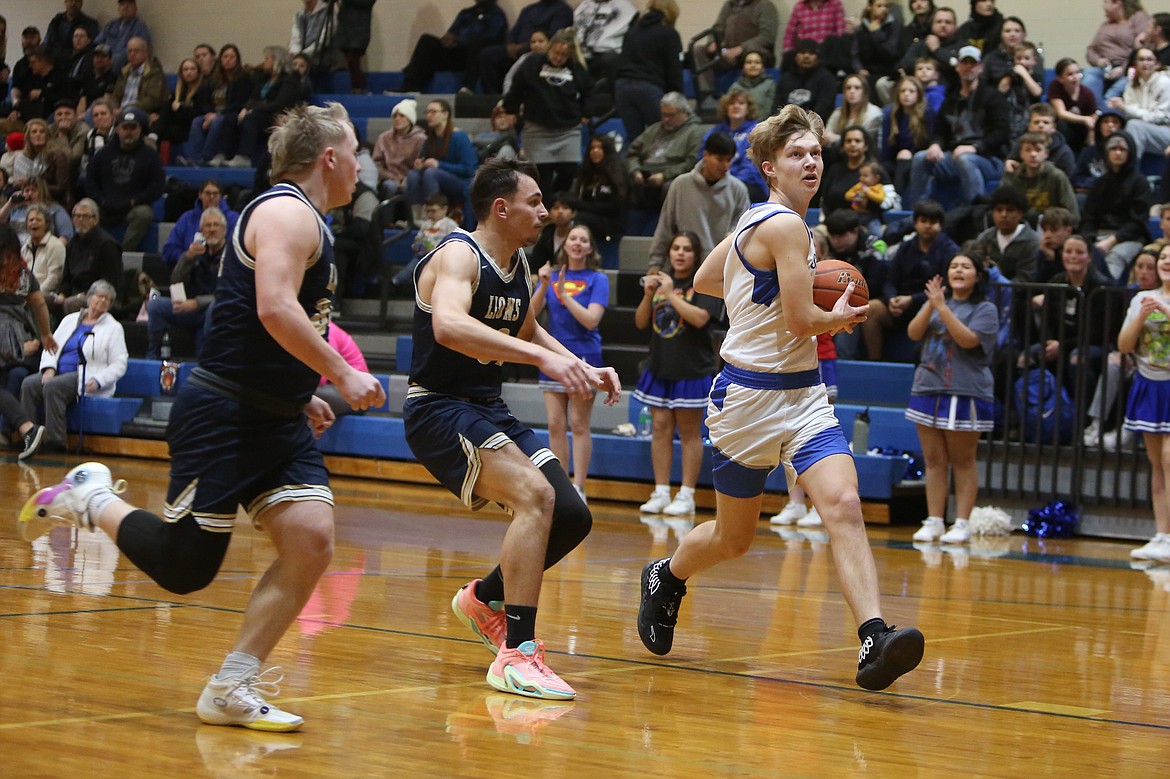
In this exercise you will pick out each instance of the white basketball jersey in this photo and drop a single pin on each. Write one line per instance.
(758, 338)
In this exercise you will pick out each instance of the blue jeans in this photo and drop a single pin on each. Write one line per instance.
(218, 138)
(421, 184)
(970, 172)
(161, 317)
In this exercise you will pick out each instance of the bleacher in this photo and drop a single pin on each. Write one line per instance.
(139, 410)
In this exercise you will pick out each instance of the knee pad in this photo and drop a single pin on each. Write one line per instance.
(180, 556)
(571, 520)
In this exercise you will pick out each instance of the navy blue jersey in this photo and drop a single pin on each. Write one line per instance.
(238, 347)
(498, 300)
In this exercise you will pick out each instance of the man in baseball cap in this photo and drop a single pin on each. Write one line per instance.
(126, 178)
(134, 116)
(972, 137)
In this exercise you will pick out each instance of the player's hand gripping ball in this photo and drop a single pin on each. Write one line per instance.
(830, 281)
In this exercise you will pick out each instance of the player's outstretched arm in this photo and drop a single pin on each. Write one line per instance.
(282, 238)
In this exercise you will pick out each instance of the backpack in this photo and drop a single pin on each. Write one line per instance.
(1046, 411)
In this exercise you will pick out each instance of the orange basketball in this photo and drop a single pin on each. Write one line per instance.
(832, 276)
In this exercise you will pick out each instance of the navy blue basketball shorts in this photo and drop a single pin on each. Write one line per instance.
(446, 434)
(225, 454)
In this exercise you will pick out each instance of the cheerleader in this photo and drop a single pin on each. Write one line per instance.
(1145, 334)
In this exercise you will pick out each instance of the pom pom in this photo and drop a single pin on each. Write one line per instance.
(1058, 519)
(915, 468)
(989, 521)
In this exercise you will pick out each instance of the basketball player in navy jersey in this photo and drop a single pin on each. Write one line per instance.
(242, 429)
(471, 315)
(769, 407)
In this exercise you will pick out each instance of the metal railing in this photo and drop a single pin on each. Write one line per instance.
(1035, 456)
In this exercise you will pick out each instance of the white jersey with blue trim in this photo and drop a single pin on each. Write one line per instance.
(758, 338)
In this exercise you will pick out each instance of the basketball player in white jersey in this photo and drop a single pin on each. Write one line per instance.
(768, 406)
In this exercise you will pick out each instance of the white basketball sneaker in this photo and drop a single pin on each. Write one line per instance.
(67, 503)
(243, 702)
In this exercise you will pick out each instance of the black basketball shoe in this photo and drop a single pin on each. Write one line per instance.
(887, 655)
(658, 612)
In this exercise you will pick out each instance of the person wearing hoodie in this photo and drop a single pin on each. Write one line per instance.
(552, 89)
(1115, 213)
(808, 83)
(876, 49)
(707, 201)
(126, 178)
(983, 27)
(1091, 160)
(182, 238)
(664, 151)
(650, 66)
(396, 149)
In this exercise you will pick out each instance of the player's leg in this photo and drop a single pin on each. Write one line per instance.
(302, 532)
(507, 476)
(886, 651)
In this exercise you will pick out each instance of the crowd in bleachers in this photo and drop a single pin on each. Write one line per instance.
(939, 129)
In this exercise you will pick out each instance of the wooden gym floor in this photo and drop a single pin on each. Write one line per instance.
(1043, 658)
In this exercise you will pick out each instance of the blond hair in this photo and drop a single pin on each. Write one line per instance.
(302, 133)
(775, 131)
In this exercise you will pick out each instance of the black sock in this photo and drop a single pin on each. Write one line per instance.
(871, 627)
(669, 579)
(490, 587)
(521, 624)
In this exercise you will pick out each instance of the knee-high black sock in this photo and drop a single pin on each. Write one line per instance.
(571, 523)
(180, 556)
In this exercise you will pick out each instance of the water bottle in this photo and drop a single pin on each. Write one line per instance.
(861, 432)
(645, 422)
(168, 371)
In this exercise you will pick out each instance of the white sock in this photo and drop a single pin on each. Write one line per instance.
(939, 520)
(238, 665)
(98, 502)
(958, 520)
(685, 492)
(661, 489)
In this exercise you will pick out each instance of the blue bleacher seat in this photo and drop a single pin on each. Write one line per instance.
(333, 82)
(1152, 163)
(227, 176)
(874, 383)
(363, 105)
(639, 222)
(380, 82)
(612, 127)
(445, 82)
(403, 353)
(812, 217)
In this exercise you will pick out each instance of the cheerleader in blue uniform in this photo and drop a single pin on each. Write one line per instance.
(1146, 335)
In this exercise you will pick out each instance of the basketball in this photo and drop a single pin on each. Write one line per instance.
(832, 276)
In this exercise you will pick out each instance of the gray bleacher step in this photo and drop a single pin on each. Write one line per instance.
(160, 409)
